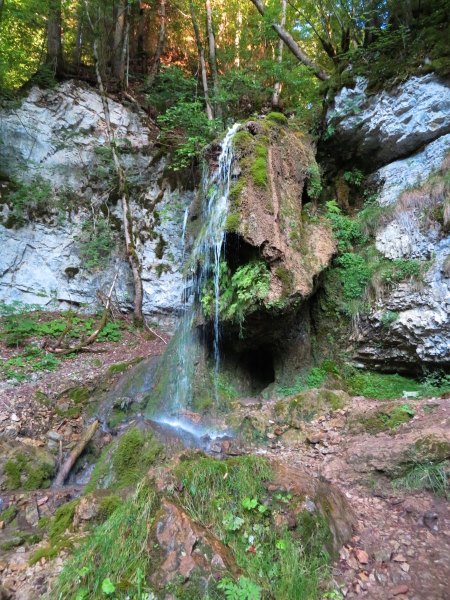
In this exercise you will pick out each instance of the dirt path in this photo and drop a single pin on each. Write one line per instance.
(401, 543)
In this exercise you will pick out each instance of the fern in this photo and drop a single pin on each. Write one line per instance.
(244, 589)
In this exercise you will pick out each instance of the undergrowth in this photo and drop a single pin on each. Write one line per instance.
(116, 551)
(430, 476)
(230, 498)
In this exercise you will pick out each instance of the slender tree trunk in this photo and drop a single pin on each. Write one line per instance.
(213, 57)
(54, 45)
(201, 58)
(237, 40)
(292, 44)
(78, 42)
(127, 220)
(118, 58)
(278, 85)
(154, 70)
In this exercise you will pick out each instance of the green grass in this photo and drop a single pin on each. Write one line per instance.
(117, 550)
(426, 476)
(230, 498)
(380, 386)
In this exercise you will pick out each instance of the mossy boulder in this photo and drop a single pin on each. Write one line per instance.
(300, 408)
(24, 467)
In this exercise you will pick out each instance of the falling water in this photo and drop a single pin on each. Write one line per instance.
(204, 263)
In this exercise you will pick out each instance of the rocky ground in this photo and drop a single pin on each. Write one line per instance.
(400, 540)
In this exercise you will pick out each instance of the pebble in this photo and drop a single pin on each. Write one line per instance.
(14, 418)
(400, 589)
(362, 556)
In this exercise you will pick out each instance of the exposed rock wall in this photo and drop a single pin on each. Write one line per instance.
(413, 121)
(59, 136)
(391, 124)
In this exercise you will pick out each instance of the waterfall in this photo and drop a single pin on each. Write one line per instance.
(178, 368)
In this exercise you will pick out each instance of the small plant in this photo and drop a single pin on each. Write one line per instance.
(354, 177)
(96, 242)
(426, 476)
(243, 589)
(389, 317)
(314, 184)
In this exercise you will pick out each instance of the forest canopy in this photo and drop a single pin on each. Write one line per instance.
(226, 58)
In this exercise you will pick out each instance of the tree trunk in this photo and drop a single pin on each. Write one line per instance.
(118, 58)
(154, 70)
(213, 57)
(132, 256)
(201, 58)
(292, 44)
(54, 46)
(278, 85)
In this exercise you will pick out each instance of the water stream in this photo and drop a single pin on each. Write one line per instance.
(204, 263)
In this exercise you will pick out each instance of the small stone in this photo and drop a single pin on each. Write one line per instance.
(315, 438)
(271, 436)
(2, 524)
(405, 567)
(42, 501)
(399, 558)
(383, 555)
(362, 556)
(400, 589)
(14, 418)
(54, 435)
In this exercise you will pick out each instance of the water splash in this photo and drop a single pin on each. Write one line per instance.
(203, 264)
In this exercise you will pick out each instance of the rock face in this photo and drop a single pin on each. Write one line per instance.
(406, 131)
(188, 551)
(59, 136)
(392, 124)
(271, 222)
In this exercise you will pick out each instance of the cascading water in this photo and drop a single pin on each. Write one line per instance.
(179, 366)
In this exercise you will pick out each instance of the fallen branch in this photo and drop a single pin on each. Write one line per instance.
(148, 328)
(82, 345)
(64, 471)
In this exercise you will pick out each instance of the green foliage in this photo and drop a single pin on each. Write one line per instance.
(22, 35)
(355, 274)
(240, 292)
(27, 201)
(287, 279)
(27, 473)
(62, 520)
(426, 476)
(389, 317)
(382, 386)
(314, 378)
(171, 85)
(8, 514)
(185, 127)
(243, 589)
(96, 242)
(314, 183)
(231, 497)
(116, 551)
(354, 177)
(348, 231)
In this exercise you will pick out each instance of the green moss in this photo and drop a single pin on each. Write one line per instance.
(50, 552)
(236, 191)
(118, 368)
(259, 167)
(23, 471)
(287, 279)
(202, 403)
(243, 140)
(332, 399)
(314, 183)
(79, 395)
(388, 418)
(133, 457)
(278, 118)
(8, 514)
(160, 247)
(232, 222)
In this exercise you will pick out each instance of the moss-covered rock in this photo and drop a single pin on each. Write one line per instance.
(24, 467)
